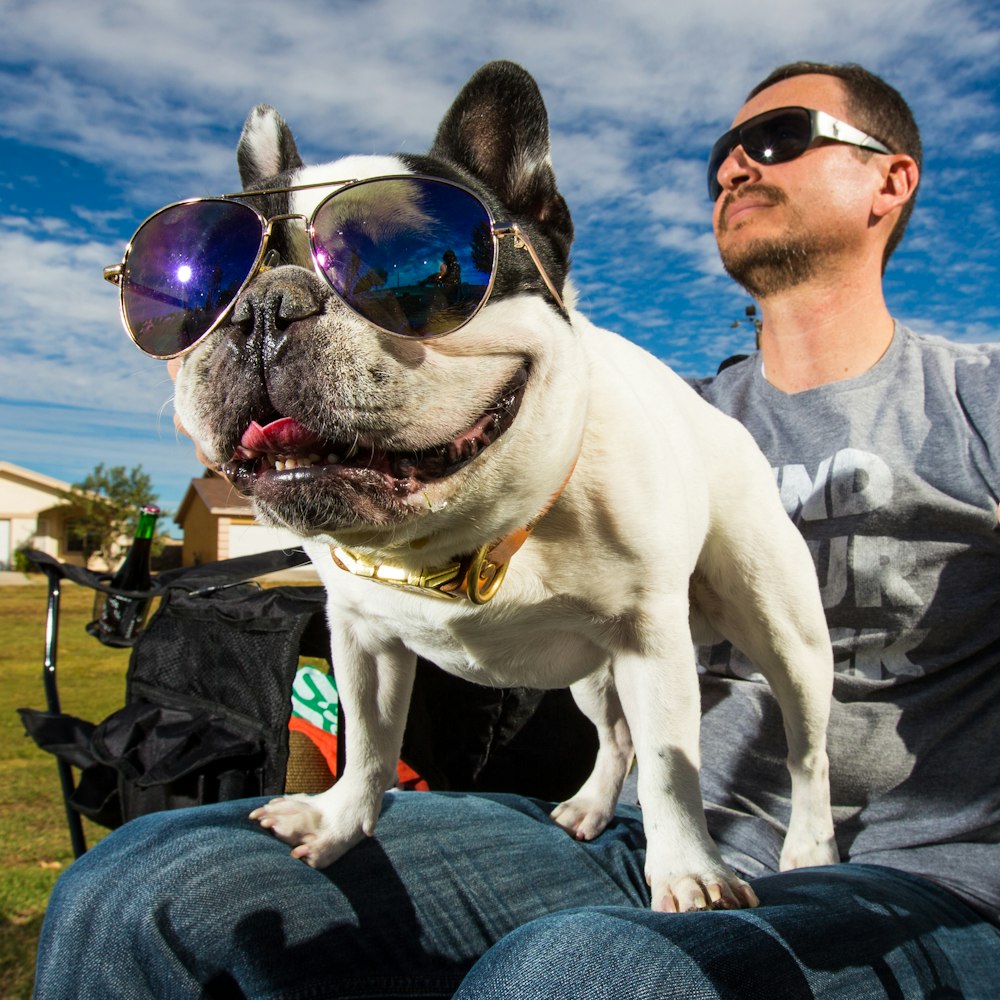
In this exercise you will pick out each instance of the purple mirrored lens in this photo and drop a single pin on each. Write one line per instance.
(413, 256)
(183, 271)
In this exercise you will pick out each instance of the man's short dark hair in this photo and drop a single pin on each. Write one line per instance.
(876, 108)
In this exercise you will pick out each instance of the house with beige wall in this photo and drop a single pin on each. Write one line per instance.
(218, 524)
(216, 520)
(34, 513)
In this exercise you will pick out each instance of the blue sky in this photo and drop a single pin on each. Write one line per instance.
(112, 110)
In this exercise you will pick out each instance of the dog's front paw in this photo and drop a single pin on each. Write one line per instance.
(316, 833)
(716, 889)
(583, 817)
(691, 877)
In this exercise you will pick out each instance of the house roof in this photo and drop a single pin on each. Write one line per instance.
(48, 483)
(215, 493)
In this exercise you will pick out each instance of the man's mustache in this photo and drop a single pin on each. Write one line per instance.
(759, 192)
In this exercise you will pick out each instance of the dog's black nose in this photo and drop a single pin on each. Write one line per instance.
(275, 300)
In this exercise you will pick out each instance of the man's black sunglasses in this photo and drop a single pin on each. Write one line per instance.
(781, 135)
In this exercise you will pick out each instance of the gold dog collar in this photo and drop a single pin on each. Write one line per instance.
(476, 577)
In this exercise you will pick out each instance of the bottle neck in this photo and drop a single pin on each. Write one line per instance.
(146, 526)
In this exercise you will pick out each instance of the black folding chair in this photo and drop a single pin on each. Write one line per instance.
(219, 738)
(208, 698)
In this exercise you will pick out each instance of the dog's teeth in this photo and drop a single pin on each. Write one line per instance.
(296, 462)
(462, 450)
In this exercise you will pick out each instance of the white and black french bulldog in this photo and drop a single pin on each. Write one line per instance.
(529, 500)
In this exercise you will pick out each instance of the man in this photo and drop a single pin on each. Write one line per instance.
(886, 447)
(887, 453)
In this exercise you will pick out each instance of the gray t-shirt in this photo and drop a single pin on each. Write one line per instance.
(893, 478)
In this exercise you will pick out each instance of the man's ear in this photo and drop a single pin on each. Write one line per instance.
(900, 177)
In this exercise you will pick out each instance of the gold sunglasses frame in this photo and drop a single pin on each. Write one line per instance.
(115, 273)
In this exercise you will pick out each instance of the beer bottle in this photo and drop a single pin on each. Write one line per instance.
(118, 619)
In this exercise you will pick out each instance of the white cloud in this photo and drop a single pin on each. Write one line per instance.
(382, 71)
(150, 98)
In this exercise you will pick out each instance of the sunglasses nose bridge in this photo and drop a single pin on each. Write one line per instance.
(284, 217)
(267, 257)
(269, 223)
(735, 167)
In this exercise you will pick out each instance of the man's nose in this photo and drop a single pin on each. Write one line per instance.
(737, 169)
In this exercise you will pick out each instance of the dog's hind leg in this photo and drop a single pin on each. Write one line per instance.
(589, 811)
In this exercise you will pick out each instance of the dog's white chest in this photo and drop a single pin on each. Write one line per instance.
(548, 644)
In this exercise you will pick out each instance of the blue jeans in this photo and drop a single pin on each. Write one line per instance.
(202, 903)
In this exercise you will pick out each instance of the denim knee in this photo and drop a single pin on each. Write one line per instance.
(840, 933)
(597, 954)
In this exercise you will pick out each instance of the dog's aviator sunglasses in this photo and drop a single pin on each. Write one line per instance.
(781, 135)
(414, 256)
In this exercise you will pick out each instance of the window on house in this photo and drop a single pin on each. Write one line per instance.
(76, 543)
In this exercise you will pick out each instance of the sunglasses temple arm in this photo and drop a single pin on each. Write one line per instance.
(113, 273)
(521, 241)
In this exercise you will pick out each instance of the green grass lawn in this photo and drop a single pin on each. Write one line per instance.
(34, 842)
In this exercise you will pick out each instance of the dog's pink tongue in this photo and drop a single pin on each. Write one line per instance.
(284, 436)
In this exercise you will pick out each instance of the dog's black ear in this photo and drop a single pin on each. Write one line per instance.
(498, 130)
(266, 148)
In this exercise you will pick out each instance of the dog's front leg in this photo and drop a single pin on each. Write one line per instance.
(375, 693)
(662, 704)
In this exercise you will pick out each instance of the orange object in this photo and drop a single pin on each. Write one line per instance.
(406, 777)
